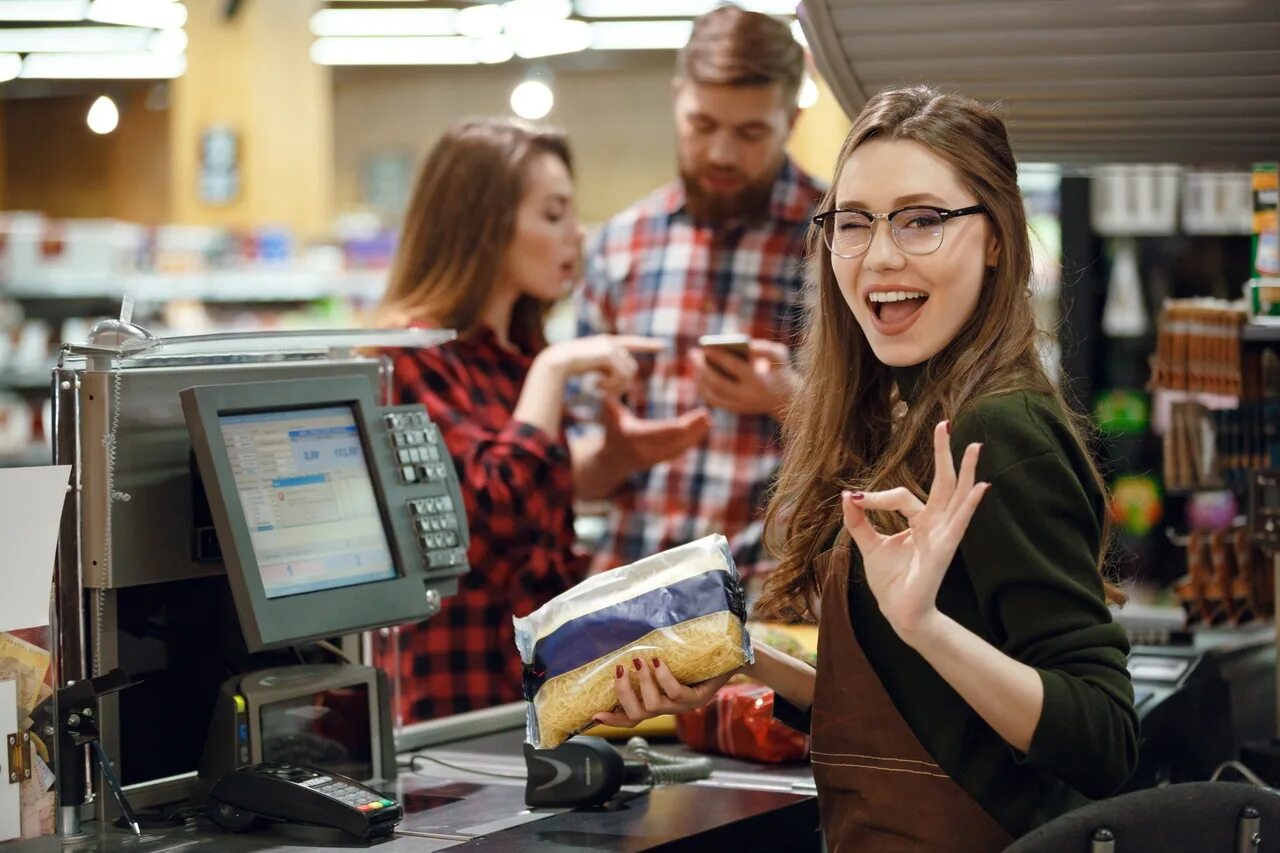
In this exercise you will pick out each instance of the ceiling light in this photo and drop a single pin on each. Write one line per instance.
(168, 42)
(103, 115)
(551, 38)
(532, 99)
(797, 32)
(494, 50)
(675, 8)
(522, 13)
(808, 93)
(480, 21)
(640, 35)
(160, 14)
(75, 39)
(43, 10)
(384, 22)
(410, 50)
(10, 66)
(102, 66)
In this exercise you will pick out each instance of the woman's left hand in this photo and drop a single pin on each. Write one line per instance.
(905, 570)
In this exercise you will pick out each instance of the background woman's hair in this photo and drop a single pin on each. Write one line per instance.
(840, 432)
(460, 223)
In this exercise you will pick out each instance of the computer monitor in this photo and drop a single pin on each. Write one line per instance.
(322, 529)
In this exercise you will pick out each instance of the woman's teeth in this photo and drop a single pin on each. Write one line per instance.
(895, 296)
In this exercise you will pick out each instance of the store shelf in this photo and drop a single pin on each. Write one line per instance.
(1261, 333)
(220, 286)
(36, 454)
(27, 380)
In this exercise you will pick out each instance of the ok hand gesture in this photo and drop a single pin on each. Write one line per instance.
(905, 570)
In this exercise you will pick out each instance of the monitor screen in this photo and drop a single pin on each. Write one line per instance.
(308, 499)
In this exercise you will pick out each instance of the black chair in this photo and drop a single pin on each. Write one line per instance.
(1193, 817)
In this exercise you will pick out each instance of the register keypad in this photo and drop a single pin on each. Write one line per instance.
(421, 458)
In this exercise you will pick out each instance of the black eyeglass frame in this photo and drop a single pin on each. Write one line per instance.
(943, 214)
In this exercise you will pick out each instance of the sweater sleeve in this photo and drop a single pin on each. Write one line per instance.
(1031, 555)
(507, 474)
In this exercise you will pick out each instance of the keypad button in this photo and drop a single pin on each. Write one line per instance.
(446, 504)
(408, 474)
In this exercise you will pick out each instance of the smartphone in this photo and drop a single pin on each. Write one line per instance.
(734, 344)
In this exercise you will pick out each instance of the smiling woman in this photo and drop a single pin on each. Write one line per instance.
(970, 682)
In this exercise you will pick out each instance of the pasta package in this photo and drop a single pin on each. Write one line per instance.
(685, 606)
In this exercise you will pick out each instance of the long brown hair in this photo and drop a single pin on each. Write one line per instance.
(840, 432)
(460, 221)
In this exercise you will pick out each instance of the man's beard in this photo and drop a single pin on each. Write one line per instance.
(748, 204)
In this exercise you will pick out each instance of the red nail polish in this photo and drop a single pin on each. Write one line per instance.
(656, 663)
(948, 427)
(617, 671)
(857, 496)
(636, 663)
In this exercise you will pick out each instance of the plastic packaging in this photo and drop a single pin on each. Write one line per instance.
(739, 723)
(685, 606)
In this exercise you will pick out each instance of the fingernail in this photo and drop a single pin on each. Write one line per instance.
(656, 663)
(617, 671)
(948, 427)
(857, 496)
(637, 664)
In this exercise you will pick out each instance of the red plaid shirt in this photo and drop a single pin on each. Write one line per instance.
(653, 271)
(517, 483)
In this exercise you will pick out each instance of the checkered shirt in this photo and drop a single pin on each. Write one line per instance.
(517, 484)
(653, 271)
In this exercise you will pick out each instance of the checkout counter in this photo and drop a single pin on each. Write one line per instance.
(247, 511)
(247, 517)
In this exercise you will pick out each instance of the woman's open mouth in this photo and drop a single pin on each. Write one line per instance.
(894, 311)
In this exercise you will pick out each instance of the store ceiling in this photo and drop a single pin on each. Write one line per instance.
(1080, 81)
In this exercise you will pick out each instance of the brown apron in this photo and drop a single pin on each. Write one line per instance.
(878, 789)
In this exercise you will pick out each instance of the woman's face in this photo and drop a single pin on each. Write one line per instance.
(545, 254)
(911, 306)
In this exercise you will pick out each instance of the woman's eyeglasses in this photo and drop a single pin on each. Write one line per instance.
(917, 230)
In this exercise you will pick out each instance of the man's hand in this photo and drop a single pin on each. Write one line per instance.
(633, 443)
(604, 459)
(761, 384)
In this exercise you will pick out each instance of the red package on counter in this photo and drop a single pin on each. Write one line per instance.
(739, 723)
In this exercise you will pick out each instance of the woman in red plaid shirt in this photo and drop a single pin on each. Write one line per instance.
(491, 239)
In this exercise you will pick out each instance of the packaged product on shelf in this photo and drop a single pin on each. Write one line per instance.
(684, 606)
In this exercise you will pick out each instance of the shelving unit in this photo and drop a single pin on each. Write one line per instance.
(56, 295)
(1261, 333)
(254, 285)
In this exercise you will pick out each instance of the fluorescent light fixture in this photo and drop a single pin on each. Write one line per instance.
(10, 66)
(524, 14)
(75, 39)
(168, 42)
(102, 66)
(551, 38)
(640, 35)
(771, 7)
(797, 32)
(409, 50)
(532, 100)
(494, 50)
(808, 93)
(43, 10)
(480, 21)
(103, 116)
(675, 8)
(159, 14)
(384, 22)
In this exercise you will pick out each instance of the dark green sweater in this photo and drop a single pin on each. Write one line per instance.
(1026, 580)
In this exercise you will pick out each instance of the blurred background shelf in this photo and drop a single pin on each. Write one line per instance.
(217, 286)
